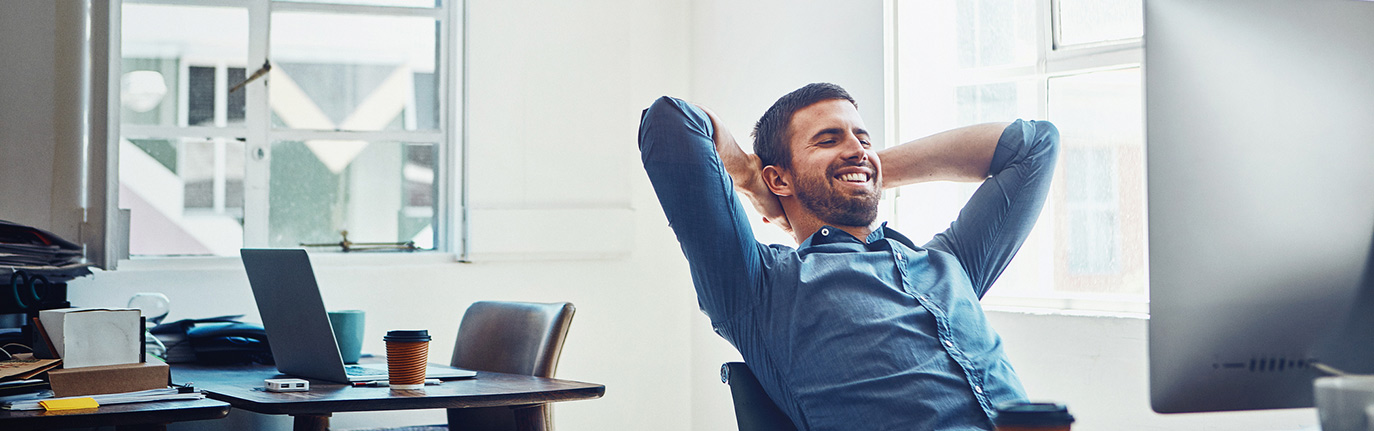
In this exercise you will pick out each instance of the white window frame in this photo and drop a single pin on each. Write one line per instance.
(450, 141)
(1052, 61)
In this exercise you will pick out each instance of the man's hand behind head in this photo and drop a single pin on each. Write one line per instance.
(747, 173)
(765, 202)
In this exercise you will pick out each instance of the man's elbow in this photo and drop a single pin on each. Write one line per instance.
(672, 121)
(1045, 145)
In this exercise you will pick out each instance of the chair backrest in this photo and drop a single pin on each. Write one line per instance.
(754, 411)
(508, 337)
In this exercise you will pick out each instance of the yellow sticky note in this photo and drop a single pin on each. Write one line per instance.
(69, 404)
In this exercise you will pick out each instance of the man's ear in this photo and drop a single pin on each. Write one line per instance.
(778, 180)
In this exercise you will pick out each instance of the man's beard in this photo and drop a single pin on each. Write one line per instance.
(838, 209)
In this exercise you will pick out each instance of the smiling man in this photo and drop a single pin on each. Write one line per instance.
(857, 327)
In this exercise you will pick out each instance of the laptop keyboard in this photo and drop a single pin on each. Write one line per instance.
(360, 371)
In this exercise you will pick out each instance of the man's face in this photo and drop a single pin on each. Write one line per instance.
(836, 172)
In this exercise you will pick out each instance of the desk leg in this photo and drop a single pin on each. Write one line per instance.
(311, 422)
(529, 418)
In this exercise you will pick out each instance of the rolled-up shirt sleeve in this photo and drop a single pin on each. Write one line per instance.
(697, 195)
(996, 220)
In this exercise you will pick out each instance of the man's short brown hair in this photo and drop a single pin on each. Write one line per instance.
(771, 132)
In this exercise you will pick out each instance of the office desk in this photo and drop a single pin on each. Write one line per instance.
(242, 387)
(135, 416)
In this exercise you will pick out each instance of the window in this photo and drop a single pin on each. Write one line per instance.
(345, 123)
(1074, 62)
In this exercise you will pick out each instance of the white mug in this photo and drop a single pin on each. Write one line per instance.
(1345, 403)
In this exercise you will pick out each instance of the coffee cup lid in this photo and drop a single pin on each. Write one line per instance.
(407, 335)
(1032, 414)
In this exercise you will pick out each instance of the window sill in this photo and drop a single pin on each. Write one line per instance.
(1082, 304)
(317, 259)
(1041, 311)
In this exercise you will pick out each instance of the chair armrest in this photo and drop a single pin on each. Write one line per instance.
(754, 411)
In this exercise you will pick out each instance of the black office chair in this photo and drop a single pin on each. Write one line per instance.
(754, 411)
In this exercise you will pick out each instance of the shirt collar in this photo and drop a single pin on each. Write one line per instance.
(828, 234)
(831, 235)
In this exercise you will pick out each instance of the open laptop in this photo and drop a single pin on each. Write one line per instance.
(297, 324)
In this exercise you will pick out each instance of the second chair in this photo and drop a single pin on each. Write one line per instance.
(514, 338)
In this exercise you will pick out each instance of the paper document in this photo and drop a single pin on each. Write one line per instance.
(107, 399)
(24, 366)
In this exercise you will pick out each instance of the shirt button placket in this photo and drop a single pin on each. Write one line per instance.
(901, 269)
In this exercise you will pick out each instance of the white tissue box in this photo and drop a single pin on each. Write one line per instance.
(87, 337)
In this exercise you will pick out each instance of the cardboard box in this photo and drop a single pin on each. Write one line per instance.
(109, 379)
(86, 337)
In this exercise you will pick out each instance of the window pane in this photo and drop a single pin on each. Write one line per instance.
(201, 92)
(995, 32)
(970, 61)
(1090, 180)
(213, 173)
(936, 45)
(330, 75)
(377, 191)
(927, 209)
(185, 196)
(1101, 211)
(1090, 21)
(1000, 101)
(1093, 242)
(172, 60)
(1093, 177)
(205, 86)
(236, 109)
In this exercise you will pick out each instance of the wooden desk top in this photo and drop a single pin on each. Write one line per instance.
(242, 387)
(152, 413)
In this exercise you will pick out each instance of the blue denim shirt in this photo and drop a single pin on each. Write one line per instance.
(846, 334)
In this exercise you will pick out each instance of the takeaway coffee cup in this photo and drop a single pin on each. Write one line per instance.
(1032, 416)
(348, 332)
(1343, 402)
(407, 352)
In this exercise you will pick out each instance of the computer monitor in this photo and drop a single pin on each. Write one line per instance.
(1260, 170)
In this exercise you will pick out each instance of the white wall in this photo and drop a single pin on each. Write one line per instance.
(745, 55)
(556, 89)
(26, 111)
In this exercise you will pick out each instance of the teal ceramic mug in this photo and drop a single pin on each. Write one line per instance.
(348, 332)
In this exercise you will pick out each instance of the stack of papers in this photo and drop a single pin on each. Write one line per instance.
(39, 252)
(166, 394)
(36, 255)
(23, 387)
(17, 377)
